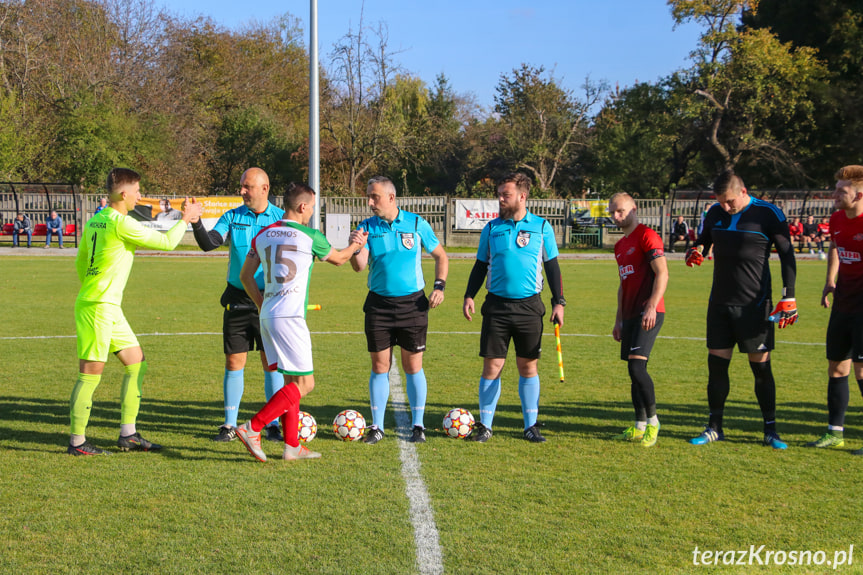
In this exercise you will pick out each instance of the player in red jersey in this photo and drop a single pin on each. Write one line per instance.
(823, 233)
(640, 310)
(845, 282)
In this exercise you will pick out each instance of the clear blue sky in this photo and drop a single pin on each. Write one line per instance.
(473, 42)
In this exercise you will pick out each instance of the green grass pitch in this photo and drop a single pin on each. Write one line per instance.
(580, 503)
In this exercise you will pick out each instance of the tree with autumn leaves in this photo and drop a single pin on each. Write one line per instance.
(90, 84)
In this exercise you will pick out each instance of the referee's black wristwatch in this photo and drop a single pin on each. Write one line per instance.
(559, 301)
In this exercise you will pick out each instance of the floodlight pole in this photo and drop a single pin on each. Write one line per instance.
(314, 114)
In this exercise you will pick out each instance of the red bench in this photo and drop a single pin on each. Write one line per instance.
(42, 230)
(38, 230)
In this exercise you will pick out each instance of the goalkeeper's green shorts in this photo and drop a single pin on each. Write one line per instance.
(102, 329)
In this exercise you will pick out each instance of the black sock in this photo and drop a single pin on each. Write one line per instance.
(765, 391)
(718, 386)
(643, 384)
(837, 400)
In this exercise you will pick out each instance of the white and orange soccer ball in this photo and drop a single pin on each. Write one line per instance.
(349, 425)
(457, 423)
(308, 427)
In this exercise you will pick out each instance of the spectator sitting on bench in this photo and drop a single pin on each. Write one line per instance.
(810, 234)
(21, 227)
(679, 233)
(795, 229)
(823, 233)
(54, 226)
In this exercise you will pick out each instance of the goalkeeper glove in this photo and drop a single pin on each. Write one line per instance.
(785, 313)
(694, 257)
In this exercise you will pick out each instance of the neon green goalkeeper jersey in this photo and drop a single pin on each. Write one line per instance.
(107, 251)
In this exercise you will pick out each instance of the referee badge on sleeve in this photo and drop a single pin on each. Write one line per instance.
(522, 239)
(408, 241)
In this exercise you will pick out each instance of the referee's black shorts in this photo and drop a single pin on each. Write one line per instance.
(845, 336)
(392, 321)
(746, 326)
(241, 325)
(517, 319)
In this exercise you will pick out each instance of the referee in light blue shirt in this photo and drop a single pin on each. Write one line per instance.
(397, 308)
(241, 331)
(513, 250)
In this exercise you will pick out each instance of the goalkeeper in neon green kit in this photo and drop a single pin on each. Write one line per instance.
(104, 261)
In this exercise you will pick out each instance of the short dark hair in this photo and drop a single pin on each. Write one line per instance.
(727, 181)
(294, 194)
(521, 181)
(120, 177)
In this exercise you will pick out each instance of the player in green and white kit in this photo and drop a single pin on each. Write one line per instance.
(104, 261)
(287, 251)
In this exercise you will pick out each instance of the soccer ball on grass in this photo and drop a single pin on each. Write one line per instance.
(308, 427)
(458, 423)
(349, 425)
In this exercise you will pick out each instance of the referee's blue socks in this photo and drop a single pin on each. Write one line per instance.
(489, 393)
(417, 389)
(379, 393)
(233, 387)
(528, 392)
(273, 382)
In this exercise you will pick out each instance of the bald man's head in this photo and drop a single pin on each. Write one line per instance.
(255, 189)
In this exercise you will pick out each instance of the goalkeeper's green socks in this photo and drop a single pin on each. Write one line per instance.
(80, 404)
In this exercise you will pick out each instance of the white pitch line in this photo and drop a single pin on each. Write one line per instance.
(476, 333)
(429, 556)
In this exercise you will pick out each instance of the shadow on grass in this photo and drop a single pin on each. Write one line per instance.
(26, 420)
(603, 420)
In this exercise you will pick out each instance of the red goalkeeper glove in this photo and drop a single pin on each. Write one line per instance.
(694, 257)
(785, 313)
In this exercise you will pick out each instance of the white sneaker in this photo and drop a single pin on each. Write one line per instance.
(299, 452)
(252, 441)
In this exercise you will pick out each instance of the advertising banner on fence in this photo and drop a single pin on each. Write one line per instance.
(474, 214)
(161, 214)
(589, 212)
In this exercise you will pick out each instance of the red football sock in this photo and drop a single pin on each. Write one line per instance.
(290, 424)
(281, 402)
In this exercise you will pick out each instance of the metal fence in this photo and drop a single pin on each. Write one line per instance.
(37, 200)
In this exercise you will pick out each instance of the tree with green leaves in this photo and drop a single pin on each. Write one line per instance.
(543, 123)
(749, 84)
(835, 29)
(644, 141)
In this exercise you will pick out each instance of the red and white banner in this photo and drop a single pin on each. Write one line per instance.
(474, 214)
